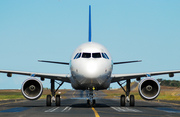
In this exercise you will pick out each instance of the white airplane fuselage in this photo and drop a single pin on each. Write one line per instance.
(91, 66)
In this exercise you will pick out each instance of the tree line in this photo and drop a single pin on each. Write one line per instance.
(170, 83)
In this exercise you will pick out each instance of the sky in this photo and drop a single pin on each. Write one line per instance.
(147, 30)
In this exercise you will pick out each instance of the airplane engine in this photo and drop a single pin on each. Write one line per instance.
(149, 88)
(32, 88)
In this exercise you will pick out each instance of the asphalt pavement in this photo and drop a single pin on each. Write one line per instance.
(75, 106)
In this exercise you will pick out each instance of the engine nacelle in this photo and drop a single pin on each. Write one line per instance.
(149, 88)
(32, 88)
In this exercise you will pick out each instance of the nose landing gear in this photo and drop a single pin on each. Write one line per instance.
(91, 101)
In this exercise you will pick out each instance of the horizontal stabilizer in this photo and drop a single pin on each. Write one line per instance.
(54, 62)
(127, 62)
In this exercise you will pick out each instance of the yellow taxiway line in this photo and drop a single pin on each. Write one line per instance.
(95, 112)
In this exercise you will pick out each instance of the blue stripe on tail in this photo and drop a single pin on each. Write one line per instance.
(89, 23)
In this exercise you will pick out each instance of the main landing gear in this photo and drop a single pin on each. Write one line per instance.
(53, 99)
(91, 101)
(126, 98)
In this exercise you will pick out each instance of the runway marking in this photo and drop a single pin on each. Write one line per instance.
(52, 109)
(17, 109)
(67, 109)
(125, 109)
(95, 112)
(169, 110)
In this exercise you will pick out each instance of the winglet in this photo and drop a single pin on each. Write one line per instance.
(89, 23)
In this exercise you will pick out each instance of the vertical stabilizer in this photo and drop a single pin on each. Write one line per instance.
(90, 23)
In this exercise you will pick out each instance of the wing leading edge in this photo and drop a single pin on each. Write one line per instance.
(60, 77)
(127, 62)
(120, 77)
(54, 62)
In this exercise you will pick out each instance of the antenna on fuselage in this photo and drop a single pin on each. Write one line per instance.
(90, 23)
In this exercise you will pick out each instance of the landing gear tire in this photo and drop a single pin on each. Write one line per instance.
(48, 100)
(132, 100)
(58, 100)
(94, 103)
(122, 100)
(88, 103)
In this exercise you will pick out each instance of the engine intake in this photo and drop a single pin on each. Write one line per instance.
(149, 88)
(32, 88)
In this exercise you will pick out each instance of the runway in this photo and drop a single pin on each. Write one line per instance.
(75, 105)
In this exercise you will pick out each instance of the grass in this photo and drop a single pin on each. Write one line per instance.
(169, 95)
(166, 93)
(16, 94)
(117, 93)
(10, 95)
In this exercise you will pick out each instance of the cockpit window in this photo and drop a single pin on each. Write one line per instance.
(96, 55)
(86, 55)
(78, 55)
(105, 56)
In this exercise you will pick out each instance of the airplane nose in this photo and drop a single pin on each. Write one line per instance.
(92, 70)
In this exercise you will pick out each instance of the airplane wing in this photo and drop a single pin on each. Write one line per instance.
(120, 77)
(61, 77)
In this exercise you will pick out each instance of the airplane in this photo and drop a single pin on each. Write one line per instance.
(91, 67)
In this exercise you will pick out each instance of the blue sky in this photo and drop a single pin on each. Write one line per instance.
(147, 30)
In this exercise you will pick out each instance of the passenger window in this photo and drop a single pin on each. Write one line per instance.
(96, 55)
(86, 55)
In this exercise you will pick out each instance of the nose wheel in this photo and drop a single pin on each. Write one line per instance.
(91, 101)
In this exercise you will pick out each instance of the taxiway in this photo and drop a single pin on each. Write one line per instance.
(75, 105)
